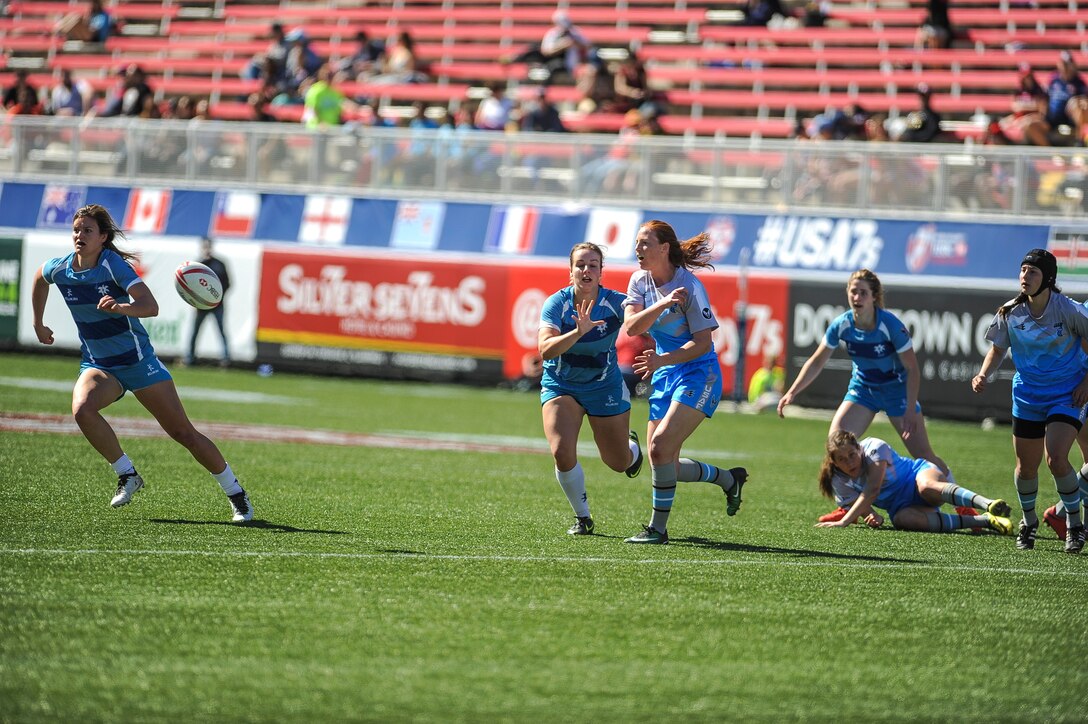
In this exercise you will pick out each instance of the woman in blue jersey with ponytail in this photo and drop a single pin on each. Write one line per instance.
(107, 298)
(1044, 330)
(582, 379)
(665, 299)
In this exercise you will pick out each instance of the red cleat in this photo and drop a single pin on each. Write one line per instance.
(1055, 521)
(968, 511)
(836, 514)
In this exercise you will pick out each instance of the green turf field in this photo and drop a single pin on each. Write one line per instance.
(401, 583)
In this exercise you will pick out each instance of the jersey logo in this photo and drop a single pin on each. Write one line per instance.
(1059, 326)
(706, 312)
(103, 289)
(879, 349)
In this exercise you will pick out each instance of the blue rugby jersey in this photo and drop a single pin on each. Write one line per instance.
(676, 326)
(874, 352)
(1046, 350)
(593, 357)
(900, 472)
(108, 340)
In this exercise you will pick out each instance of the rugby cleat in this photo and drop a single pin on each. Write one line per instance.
(1025, 537)
(1074, 539)
(732, 496)
(650, 536)
(583, 526)
(835, 515)
(1055, 521)
(999, 508)
(636, 467)
(241, 508)
(999, 523)
(127, 485)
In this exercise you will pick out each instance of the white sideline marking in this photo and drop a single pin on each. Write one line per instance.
(195, 393)
(531, 559)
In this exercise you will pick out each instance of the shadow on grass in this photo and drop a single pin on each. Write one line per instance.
(799, 552)
(262, 524)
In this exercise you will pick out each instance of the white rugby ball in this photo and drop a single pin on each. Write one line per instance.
(198, 285)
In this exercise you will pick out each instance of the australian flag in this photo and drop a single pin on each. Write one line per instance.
(59, 205)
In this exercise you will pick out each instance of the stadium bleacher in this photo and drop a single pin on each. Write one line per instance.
(716, 78)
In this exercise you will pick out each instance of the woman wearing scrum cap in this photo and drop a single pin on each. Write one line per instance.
(1044, 330)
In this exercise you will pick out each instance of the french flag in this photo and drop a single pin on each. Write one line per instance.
(235, 214)
(512, 229)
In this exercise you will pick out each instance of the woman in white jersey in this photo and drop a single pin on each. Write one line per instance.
(861, 475)
(665, 299)
(107, 298)
(1044, 330)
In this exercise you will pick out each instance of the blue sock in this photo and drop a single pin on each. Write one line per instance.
(664, 480)
(1026, 491)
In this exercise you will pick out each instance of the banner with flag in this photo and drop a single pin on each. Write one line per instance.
(235, 214)
(59, 205)
(325, 220)
(614, 230)
(147, 210)
(512, 229)
(417, 225)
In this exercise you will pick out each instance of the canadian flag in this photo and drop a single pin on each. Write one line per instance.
(147, 210)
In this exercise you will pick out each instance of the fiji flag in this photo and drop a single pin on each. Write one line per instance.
(59, 205)
(235, 214)
(512, 229)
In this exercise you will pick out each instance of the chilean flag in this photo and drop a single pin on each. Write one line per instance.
(235, 214)
(512, 229)
(147, 210)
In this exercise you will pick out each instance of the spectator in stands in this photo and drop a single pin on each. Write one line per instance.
(324, 103)
(617, 170)
(595, 86)
(540, 115)
(416, 164)
(1067, 104)
(69, 97)
(924, 124)
(302, 62)
(92, 26)
(128, 98)
(272, 63)
(400, 64)
(364, 62)
(814, 14)
(935, 32)
(26, 103)
(631, 87)
(11, 93)
(562, 50)
(757, 13)
(495, 108)
(1027, 122)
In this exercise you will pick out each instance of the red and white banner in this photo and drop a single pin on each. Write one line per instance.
(325, 220)
(366, 302)
(147, 210)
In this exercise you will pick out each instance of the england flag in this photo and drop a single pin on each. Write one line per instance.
(325, 220)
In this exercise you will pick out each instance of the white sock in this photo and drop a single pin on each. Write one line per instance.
(573, 482)
(227, 481)
(634, 451)
(123, 466)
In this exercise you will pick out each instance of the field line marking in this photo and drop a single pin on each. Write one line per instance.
(530, 559)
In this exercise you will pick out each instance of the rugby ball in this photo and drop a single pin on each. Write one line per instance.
(198, 285)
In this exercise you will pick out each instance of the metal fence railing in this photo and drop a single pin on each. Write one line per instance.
(879, 179)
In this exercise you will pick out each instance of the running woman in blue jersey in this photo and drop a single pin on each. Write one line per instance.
(1044, 331)
(665, 299)
(885, 374)
(106, 298)
(867, 474)
(577, 341)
